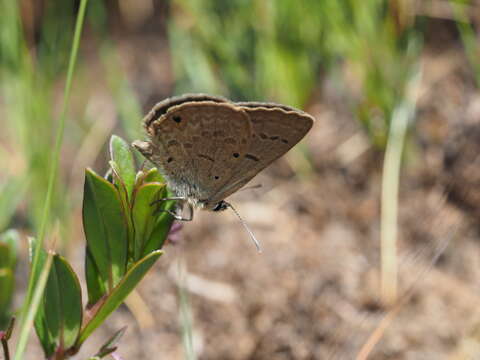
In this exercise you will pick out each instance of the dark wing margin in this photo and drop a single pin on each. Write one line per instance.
(162, 107)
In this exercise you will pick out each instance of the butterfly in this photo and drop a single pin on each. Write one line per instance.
(208, 147)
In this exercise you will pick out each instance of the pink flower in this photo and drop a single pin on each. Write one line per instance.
(116, 356)
(174, 236)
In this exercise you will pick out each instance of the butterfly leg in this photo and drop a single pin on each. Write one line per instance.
(177, 215)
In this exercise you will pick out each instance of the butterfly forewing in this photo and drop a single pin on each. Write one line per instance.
(199, 145)
(163, 106)
(208, 147)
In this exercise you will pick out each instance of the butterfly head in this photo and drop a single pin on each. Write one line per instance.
(213, 206)
(220, 206)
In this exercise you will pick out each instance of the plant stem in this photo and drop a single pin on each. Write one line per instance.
(6, 353)
(27, 308)
(32, 310)
(390, 186)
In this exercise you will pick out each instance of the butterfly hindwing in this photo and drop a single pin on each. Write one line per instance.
(275, 130)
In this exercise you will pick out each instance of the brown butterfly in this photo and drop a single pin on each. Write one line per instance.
(208, 147)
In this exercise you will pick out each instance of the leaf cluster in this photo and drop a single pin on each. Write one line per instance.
(125, 227)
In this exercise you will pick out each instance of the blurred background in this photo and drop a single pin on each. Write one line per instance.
(394, 87)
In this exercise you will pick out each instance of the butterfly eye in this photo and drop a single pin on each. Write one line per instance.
(177, 119)
(221, 205)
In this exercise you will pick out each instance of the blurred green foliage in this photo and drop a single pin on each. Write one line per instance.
(244, 49)
(278, 50)
(27, 81)
(8, 259)
(248, 49)
(468, 35)
(32, 68)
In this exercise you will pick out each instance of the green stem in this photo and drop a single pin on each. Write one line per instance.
(32, 310)
(24, 329)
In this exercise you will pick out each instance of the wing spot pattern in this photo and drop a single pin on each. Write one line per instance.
(203, 156)
(173, 142)
(251, 157)
(177, 119)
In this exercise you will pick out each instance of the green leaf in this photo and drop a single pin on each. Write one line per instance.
(11, 239)
(5, 256)
(153, 175)
(111, 344)
(51, 304)
(6, 286)
(163, 223)
(11, 192)
(96, 287)
(105, 228)
(125, 198)
(143, 214)
(121, 154)
(70, 300)
(59, 316)
(114, 178)
(160, 231)
(118, 294)
(41, 327)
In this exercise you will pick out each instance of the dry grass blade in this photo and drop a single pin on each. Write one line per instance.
(390, 316)
(401, 118)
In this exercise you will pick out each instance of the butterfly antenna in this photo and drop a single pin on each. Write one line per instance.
(254, 239)
(256, 186)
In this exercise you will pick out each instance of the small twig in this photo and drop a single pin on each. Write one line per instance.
(6, 353)
(5, 336)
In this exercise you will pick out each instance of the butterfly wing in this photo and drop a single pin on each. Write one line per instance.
(163, 106)
(275, 130)
(197, 145)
